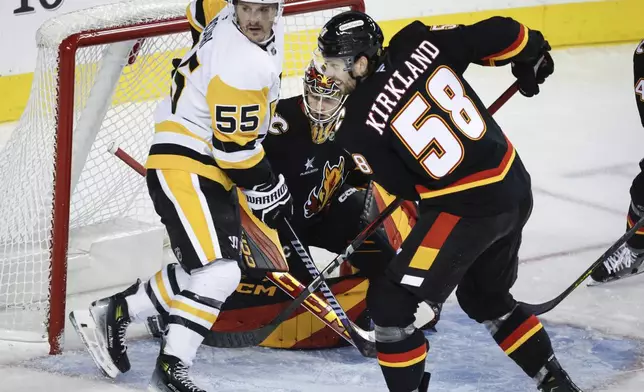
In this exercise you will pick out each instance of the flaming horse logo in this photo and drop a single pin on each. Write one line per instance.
(331, 181)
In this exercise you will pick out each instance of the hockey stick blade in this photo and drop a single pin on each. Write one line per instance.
(256, 336)
(366, 348)
(545, 307)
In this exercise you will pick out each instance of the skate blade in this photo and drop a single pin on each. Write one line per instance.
(85, 326)
(594, 283)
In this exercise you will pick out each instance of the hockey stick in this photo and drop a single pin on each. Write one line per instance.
(359, 336)
(509, 93)
(500, 101)
(549, 305)
(292, 287)
(254, 337)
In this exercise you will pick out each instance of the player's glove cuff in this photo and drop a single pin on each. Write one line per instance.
(270, 202)
(530, 78)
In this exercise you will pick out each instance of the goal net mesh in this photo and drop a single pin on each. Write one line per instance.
(116, 89)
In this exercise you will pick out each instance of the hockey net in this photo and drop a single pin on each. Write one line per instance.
(74, 217)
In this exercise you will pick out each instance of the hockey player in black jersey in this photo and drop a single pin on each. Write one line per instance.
(328, 183)
(627, 260)
(422, 130)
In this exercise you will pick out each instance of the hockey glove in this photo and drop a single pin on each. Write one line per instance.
(270, 203)
(529, 79)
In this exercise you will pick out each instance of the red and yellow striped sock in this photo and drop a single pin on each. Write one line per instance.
(403, 363)
(522, 337)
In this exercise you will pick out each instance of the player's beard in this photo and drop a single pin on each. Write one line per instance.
(256, 32)
(347, 86)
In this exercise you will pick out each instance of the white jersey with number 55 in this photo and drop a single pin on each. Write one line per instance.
(220, 107)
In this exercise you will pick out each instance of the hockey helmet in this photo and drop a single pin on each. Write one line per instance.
(348, 36)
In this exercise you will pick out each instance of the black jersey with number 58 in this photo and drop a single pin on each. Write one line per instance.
(422, 128)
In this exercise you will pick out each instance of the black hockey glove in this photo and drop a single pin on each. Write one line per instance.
(529, 79)
(271, 202)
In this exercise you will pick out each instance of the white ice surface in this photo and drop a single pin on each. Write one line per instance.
(581, 141)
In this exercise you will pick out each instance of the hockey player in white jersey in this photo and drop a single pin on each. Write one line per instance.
(207, 143)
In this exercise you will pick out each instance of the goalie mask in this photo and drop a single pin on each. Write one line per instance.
(322, 103)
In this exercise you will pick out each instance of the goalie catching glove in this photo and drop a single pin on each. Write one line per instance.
(270, 203)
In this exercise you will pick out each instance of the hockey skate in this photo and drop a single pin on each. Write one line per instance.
(622, 264)
(171, 375)
(557, 380)
(102, 329)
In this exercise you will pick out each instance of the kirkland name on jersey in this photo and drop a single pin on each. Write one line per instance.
(398, 83)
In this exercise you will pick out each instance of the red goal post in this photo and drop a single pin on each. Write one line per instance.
(96, 84)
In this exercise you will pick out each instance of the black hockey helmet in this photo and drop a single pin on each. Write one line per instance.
(350, 35)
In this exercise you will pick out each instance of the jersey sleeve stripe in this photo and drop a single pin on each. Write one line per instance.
(181, 129)
(185, 141)
(514, 49)
(192, 12)
(200, 13)
(179, 162)
(231, 147)
(239, 160)
(481, 178)
(175, 149)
